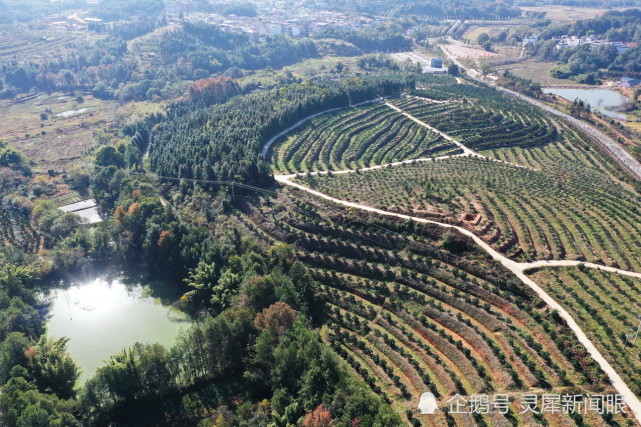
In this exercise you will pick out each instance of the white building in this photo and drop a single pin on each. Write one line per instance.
(275, 29)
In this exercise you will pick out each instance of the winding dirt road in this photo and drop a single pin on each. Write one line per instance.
(632, 401)
(519, 269)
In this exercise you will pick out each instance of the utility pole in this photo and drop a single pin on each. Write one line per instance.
(636, 335)
(627, 337)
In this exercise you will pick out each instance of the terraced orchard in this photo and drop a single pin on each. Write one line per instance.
(412, 307)
(481, 127)
(606, 306)
(357, 137)
(523, 213)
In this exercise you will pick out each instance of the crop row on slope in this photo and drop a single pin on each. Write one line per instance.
(409, 316)
(482, 127)
(527, 214)
(357, 137)
(606, 306)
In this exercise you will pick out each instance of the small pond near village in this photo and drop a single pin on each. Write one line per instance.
(605, 101)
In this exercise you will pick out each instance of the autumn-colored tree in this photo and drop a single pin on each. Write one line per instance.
(214, 90)
(119, 215)
(280, 316)
(319, 417)
(164, 238)
(134, 209)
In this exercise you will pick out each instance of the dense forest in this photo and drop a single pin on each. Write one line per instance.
(194, 51)
(28, 10)
(212, 50)
(223, 142)
(378, 39)
(622, 26)
(258, 299)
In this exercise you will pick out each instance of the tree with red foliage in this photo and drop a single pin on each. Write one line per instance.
(278, 315)
(319, 417)
(214, 90)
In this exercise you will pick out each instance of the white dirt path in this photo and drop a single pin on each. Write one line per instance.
(570, 263)
(632, 401)
(465, 149)
(519, 269)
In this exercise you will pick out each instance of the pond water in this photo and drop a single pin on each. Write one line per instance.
(603, 100)
(72, 112)
(102, 315)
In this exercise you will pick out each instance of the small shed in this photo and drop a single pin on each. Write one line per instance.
(86, 209)
(436, 62)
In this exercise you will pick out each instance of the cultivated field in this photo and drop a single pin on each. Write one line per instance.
(560, 13)
(22, 43)
(408, 315)
(605, 304)
(537, 71)
(526, 214)
(479, 126)
(415, 307)
(357, 137)
(68, 130)
(462, 52)
(16, 229)
(554, 197)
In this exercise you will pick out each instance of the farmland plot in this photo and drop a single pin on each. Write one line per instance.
(409, 315)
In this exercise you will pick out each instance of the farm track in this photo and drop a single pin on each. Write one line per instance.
(517, 268)
(467, 152)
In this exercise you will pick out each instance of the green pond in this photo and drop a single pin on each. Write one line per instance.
(103, 315)
(605, 101)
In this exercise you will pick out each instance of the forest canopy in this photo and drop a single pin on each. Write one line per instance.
(223, 142)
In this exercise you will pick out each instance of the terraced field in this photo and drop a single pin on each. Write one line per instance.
(357, 137)
(18, 42)
(414, 307)
(523, 213)
(481, 127)
(409, 316)
(605, 304)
